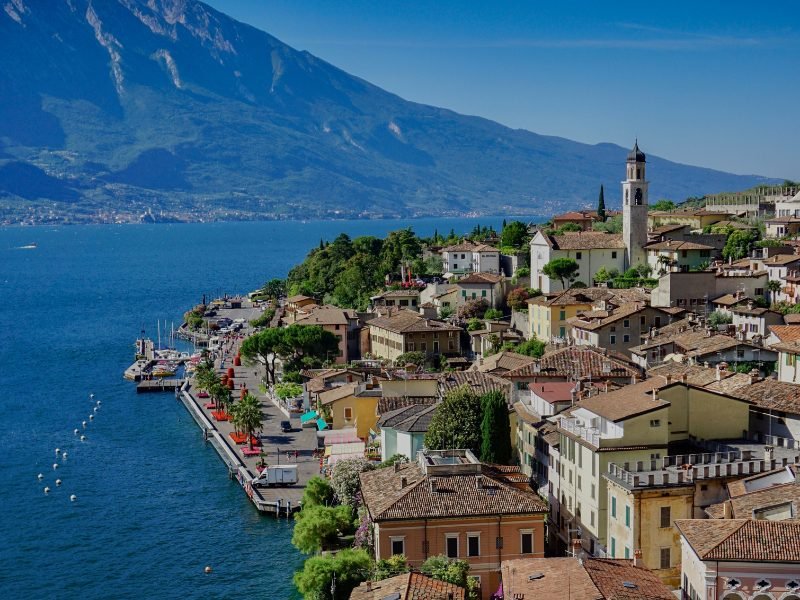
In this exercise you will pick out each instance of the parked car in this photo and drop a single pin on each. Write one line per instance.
(286, 426)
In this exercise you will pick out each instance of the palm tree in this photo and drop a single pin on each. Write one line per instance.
(205, 377)
(221, 396)
(246, 416)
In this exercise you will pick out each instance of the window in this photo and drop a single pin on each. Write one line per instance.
(612, 339)
(613, 548)
(665, 558)
(579, 482)
(613, 508)
(642, 321)
(483, 293)
(627, 552)
(666, 517)
(655, 422)
(473, 544)
(627, 517)
(759, 291)
(626, 323)
(613, 254)
(423, 346)
(591, 518)
(455, 266)
(626, 338)
(562, 315)
(410, 346)
(593, 492)
(578, 255)
(398, 545)
(655, 455)
(348, 413)
(452, 545)
(526, 542)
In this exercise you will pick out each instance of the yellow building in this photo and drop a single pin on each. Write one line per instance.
(352, 405)
(631, 461)
(548, 314)
(407, 331)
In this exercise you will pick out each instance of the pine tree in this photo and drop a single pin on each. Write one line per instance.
(601, 206)
(321, 244)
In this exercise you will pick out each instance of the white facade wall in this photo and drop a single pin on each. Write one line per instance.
(388, 442)
(486, 262)
(589, 263)
(788, 367)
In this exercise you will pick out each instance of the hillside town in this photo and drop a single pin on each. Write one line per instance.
(610, 411)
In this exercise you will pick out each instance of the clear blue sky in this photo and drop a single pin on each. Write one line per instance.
(715, 84)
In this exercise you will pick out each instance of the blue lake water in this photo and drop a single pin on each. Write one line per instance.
(154, 505)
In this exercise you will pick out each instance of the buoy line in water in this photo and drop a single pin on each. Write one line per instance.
(63, 453)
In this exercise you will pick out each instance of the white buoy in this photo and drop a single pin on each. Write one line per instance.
(75, 432)
(58, 450)
(99, 403)
(91, 417)
(207, 570)
(47, 490)
(72, 498)
(95, 409)
(64, 454)
(58, 482)
(40, 476)
(55, 465)
(91, 395)
(83, 438)
(84, 424)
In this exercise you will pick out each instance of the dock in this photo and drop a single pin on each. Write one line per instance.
(159, 385)
(277, 446)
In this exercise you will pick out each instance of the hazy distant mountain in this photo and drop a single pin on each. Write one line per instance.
(123, 105)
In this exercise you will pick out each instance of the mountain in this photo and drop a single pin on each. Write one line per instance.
(113, 108)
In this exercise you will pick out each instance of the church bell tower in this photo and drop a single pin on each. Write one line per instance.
(634, 208)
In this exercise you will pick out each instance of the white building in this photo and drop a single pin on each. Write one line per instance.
(469, 257)
(634, 208)
(590, 249)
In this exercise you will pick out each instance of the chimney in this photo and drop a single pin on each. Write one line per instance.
(719, 372)
(403, 482)
(576, 548)
(668, 378)
(727, 509)
(769, 451)
(637, 558)
(755, 376)
(654, 391)
(684, 378)
(397, 467)
(369, 586)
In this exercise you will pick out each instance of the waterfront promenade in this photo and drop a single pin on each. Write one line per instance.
(277, 447)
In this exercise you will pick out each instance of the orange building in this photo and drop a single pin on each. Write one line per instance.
(448, 503)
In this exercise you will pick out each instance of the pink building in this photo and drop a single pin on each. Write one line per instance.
(739, 559)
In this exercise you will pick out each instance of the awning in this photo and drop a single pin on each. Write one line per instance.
(321, 424)
(309, 416)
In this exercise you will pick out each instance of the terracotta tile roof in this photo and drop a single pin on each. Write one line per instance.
(667, 228)
(630, 401)
(326, 315)
(526, 413)
(772, 394)
(337, 393)
(786, 333)
(391, 403)
(407, 321)
(780, 260)
(298, 298)
(583, 361)
(481, 383)
(587, 240)
(465, 246)
(693, 342)
(676, 245)
(502, 361)
(398, 294)
(573, 214)
(777, 476)
(744, 505)
(742, 539)
(441, 496)
(730, 299)
(585, 320)
(591, 579)
(410, 586)
(482, 278)
(792, 319)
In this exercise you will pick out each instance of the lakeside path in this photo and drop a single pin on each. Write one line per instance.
(275, 443)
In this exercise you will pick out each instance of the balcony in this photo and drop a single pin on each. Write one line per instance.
(575, 427)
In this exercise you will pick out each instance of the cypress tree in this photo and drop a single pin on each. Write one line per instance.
(601, 206)
(495, 429)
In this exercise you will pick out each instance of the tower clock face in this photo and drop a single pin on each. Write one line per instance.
(638, 196)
